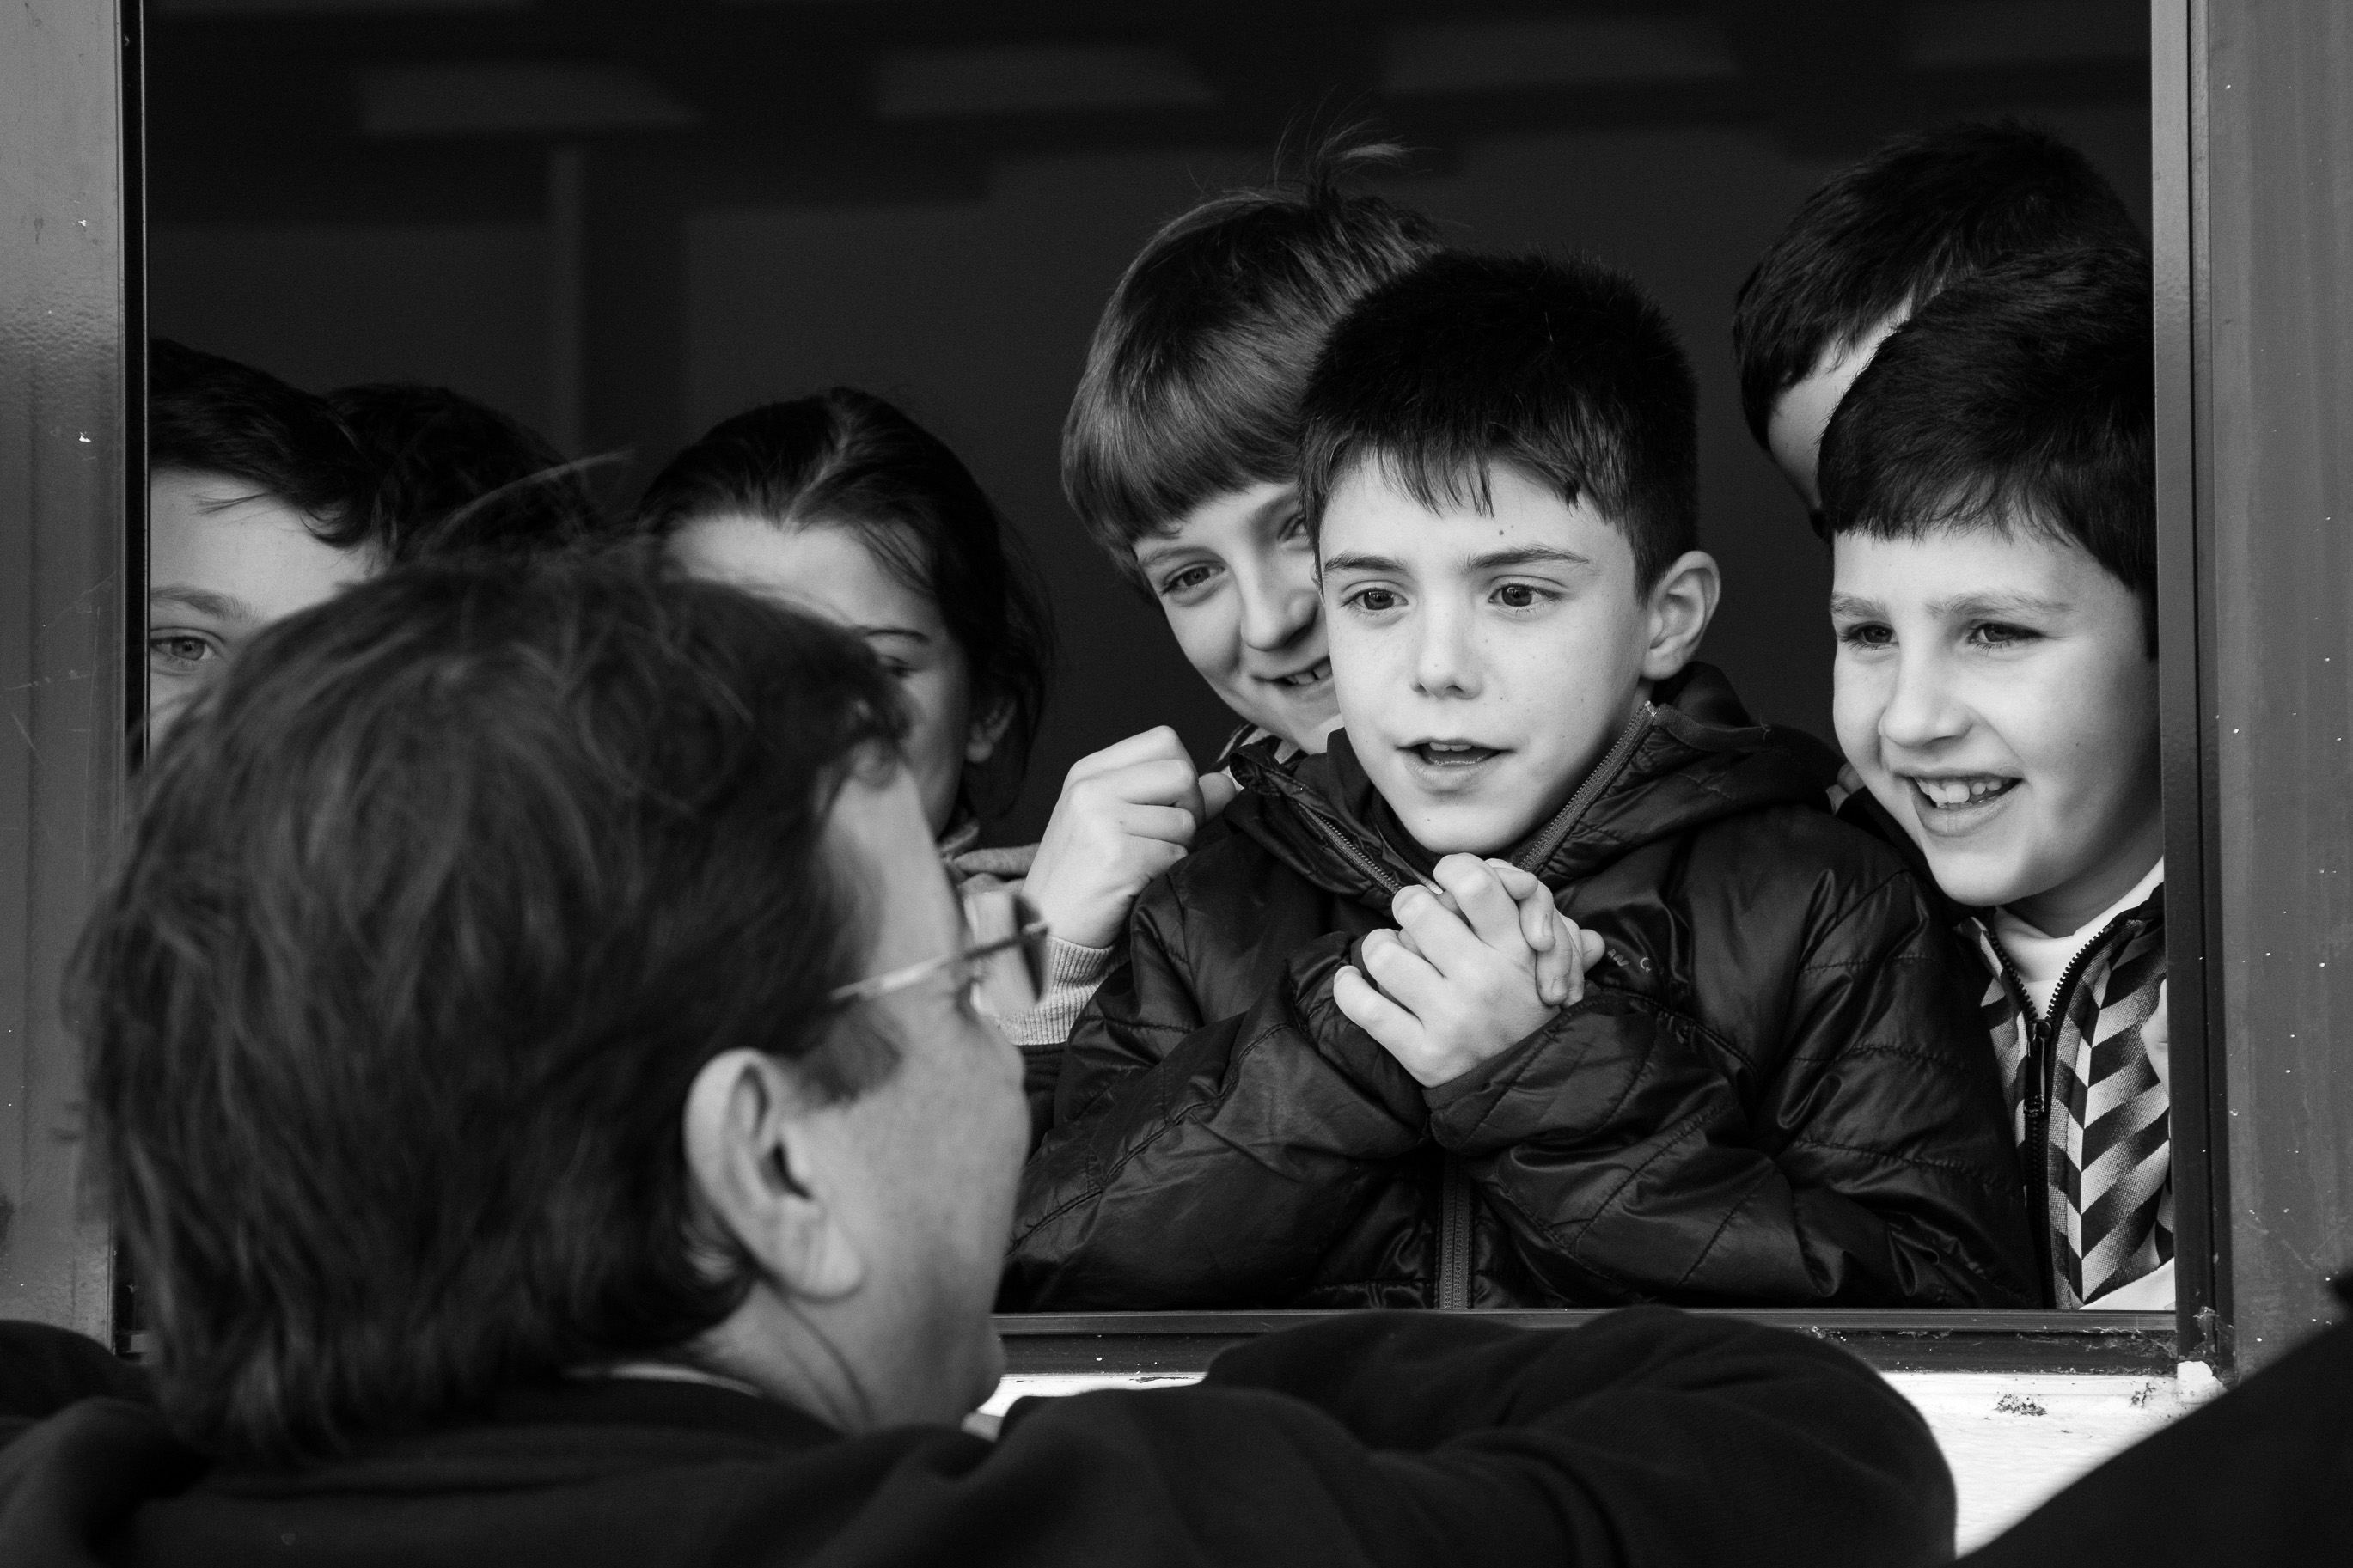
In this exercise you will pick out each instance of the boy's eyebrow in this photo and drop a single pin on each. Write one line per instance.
(1145, 553)
(908, 632)
(204, 601)
(1528, 555)
(1493, 560)
(1996, 603)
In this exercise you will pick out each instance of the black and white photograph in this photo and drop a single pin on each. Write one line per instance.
(885, 783)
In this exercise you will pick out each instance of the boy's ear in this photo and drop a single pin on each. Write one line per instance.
(986, 733)
(757, 1160)
(1683, 601)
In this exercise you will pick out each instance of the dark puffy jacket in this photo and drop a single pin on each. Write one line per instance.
(1775, 1091)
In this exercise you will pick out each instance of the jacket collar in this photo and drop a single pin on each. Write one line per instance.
(1691, 755)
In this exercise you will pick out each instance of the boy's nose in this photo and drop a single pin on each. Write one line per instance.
(1446, 664)
(1922, 708)
(1275, 614)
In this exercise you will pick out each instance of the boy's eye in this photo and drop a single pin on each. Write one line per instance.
(2000, 634)
(1377, 601)
(1519, 597)
(1867, 634)
(1186, 580)
(180, 653)
(1294, 527)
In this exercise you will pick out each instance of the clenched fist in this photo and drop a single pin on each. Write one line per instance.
(1126, 814)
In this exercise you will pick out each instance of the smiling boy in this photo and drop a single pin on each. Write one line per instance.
(1181, 451)
(1552, 982)
(1990, 487)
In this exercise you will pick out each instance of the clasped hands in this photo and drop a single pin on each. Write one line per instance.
(1453, 987)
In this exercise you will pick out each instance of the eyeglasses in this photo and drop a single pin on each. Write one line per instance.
(1004, 965)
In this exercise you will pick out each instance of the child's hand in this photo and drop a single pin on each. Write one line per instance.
(1563, 951)
(1126, 815)
(1456, 989)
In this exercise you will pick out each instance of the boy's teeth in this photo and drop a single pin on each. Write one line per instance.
(1311, 675)
(1960, 791)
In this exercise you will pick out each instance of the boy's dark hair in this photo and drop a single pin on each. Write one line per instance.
(1562, 367)
(451, 477)
(210, 415)
(434, 907)
(1193, 379)
(1924, 210)
(2022, 398)
(848, 459)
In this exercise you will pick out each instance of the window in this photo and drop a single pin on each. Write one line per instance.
(622, 233)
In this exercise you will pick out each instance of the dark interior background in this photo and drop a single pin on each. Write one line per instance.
(624, 221)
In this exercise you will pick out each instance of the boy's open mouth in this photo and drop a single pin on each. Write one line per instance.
(1955, 793)
(1315, 674)
(1450, 754)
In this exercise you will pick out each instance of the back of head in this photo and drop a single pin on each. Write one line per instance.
(451, 477)
(1924, 210)
(435, 906)
(2022, 398)
(210, 415)
(849, 459)
(1193, 379)
(1561, 367)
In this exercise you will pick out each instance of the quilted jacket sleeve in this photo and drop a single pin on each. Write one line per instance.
(1213, 1172)
(1866, 1163)
(1138, 1014)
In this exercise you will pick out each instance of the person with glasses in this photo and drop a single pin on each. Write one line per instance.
(538, 1067)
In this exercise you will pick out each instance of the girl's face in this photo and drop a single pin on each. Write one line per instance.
(829, 572)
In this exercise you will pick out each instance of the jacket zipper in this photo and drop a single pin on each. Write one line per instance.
(1453, 1238)
(2040, 1075)
(1340, 839)
(1613, 761)
(1453, 1281)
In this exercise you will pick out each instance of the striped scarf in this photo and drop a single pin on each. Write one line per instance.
(2107, 1180)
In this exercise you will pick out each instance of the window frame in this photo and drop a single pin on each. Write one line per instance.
(72, 155)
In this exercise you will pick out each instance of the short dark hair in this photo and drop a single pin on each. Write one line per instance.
(434, 907)
(2023, 398)
(1924, 210)
(1560, 366)
(451, 477)
(848, 459)
(207, 414)
(1193, 379)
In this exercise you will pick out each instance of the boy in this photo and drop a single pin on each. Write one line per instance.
(1923, 211)
(1769, 1088)
(1180, 454)
(1990, 485)
(1180, 457)
(255, 510)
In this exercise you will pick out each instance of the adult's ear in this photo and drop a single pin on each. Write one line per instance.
(758, 1163)
(1682, 604)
